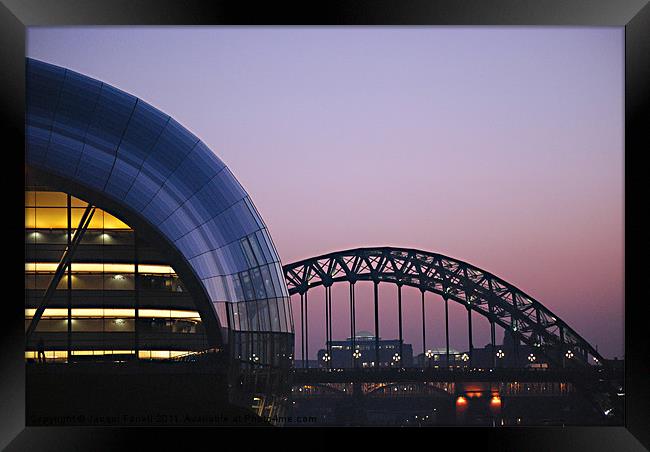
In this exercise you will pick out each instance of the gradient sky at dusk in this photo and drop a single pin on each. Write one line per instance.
(502, 147)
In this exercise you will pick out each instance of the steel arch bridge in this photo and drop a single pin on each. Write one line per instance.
(500, 302)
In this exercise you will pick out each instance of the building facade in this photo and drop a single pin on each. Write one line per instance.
(140, 243)
(361, 353)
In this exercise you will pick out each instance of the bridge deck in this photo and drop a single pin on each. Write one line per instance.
(312, 376)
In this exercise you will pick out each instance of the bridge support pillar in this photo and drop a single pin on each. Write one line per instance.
(353, 326)
(493, 342)
(424, 331)
(399, 309)
(447, 328)
(328, 324)
(469, 335)
(306, 332)
(302, 329)
(376, 293)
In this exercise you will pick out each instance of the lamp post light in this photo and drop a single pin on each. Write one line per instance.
(326, 358)
(256, 358)
(465, 357)
(396, 359)
(429, 355)
(532, 358)
(567, 355)
(500, 355)
(356, 354)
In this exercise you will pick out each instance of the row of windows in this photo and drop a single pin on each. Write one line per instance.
(257, 283)
(101, 267)
(271, 314)
(57, 218)
(242, 254)
(43, 198)
(104, 276)
(56, 355)
(113, 237)
(117, 325)
(116, 313)
(106, 281)
(227, 227)
(116, 320)
(263, 348)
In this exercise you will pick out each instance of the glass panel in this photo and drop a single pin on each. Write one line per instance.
(282, 315)
(243, 315)
(273, 314)
(52, 217)
(51, 199)
(30, 198)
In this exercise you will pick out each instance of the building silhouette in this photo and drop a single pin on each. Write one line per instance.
(343, 353)
(142, 247)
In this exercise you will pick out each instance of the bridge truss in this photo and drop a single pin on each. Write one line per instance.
(478, 290)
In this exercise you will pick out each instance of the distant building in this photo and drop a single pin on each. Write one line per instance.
(437, 357)
(361, 352)
(512, 353)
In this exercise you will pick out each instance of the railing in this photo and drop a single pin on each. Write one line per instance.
(324, 375)
(202, 355)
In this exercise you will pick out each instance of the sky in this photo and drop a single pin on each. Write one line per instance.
(499, 146)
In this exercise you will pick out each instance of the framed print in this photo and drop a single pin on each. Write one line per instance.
(377, 215)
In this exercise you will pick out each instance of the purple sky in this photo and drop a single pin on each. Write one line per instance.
(502, 147)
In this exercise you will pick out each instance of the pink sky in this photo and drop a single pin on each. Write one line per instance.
(502, 147)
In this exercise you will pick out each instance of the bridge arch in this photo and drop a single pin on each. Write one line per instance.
(478, 290)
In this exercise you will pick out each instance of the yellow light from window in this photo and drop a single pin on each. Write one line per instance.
(78, 313)
(51, 199)
(142, 354)
(157, 269)
(49, 312)
(161, 354)
(48, 209)
(169, 314)
(49, 354)
(50, 267)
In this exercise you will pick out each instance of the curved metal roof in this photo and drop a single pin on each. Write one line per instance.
(117, 145)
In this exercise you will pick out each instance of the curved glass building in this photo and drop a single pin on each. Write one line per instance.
(140, 242)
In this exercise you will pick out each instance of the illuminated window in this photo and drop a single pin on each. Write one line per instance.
(103, 286)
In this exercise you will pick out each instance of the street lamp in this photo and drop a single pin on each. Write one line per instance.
(326, 357)
(255, 358)
(531, 358)
(356, 354)
(500, 354)
(569, 354)
(429, 355)
(465, 357)
(396, 358)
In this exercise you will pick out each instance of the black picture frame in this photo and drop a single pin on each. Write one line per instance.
(634, 15)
